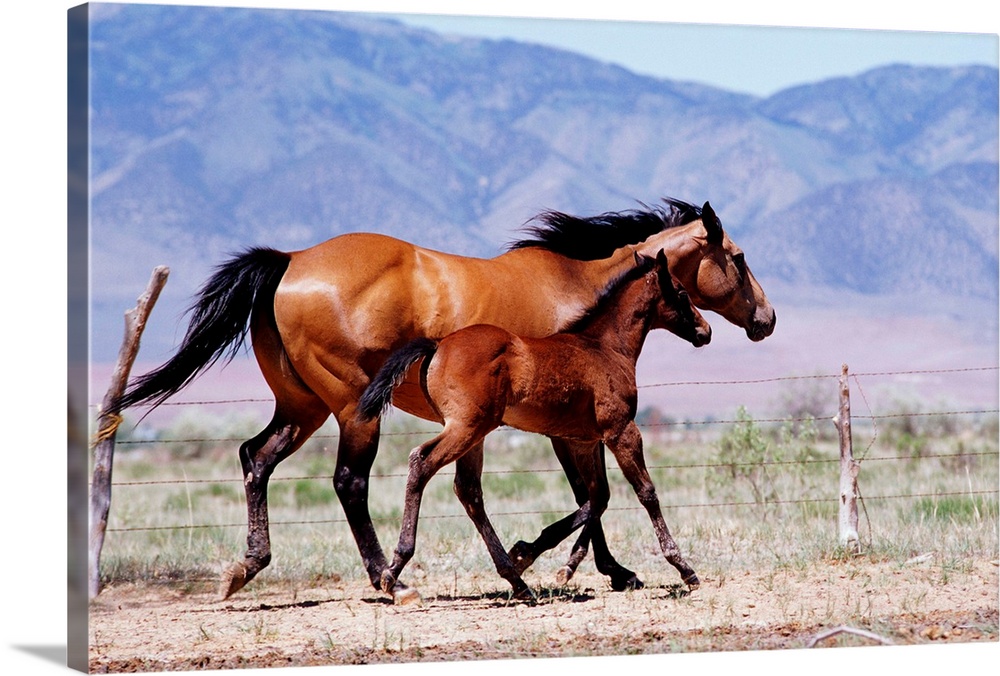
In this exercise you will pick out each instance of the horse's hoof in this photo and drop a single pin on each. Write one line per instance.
(406, 596)
(388, 582)
(525, 594)
(692, 582)
(626, 583)
(521, 556)
(234, 578)
(564, 575)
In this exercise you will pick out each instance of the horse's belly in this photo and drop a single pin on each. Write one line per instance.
(568, 420)
(409, 396)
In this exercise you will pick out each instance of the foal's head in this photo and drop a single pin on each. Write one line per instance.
(674, 310)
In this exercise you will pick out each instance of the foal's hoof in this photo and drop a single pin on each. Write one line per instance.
(234, 578)
(405, 596)
(387, 582)
(521, 556)
(401, 594)
(564, 575)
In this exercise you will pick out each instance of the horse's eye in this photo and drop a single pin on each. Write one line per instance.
(740, 261)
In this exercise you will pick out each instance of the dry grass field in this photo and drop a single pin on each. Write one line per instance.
(752, 505)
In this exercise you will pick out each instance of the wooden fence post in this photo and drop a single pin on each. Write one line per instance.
(107, 425)
(848, 516)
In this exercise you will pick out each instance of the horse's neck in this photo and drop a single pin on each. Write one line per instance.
(567, 285)
(682, 244)
(623, 326)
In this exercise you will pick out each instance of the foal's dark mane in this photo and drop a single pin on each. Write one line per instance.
(593, 237)
(608, 295)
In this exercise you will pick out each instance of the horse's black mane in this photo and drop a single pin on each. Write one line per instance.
(595, 237)
(608, 293)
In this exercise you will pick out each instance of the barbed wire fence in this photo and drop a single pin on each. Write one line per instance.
(870, 417)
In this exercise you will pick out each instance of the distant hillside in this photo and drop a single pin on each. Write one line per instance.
(214, 129)
(922, 235)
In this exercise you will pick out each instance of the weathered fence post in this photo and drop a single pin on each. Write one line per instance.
(848, 517)
(107, 425)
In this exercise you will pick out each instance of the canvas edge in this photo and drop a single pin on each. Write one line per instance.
(78, 276)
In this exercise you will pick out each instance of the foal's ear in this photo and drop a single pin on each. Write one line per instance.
(663, 274)
(713, 226)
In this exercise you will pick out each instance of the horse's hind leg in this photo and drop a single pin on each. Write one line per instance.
(469, 489)
(258, 457)
(627, 449)
(524, 553)
(621, 578)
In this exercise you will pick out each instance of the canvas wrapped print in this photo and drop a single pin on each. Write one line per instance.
(420, 339)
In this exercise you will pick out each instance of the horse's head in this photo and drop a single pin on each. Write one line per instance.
(714, 271)
(675, 312)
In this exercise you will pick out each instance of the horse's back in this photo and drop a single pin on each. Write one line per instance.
(349, 261)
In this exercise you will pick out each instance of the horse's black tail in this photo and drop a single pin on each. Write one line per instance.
(378, 394)
(219, 323)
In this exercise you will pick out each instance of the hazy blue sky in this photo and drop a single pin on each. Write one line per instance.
(752, 59)
(756, 47)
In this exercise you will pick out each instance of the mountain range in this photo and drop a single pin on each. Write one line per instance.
(214, 129)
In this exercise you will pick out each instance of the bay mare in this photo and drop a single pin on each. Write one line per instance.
(579, 383)
(323, 320)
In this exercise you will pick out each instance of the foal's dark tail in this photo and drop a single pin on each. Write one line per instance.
(378, 395)
(219, 323)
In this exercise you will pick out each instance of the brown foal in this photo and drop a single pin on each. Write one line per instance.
(577, 384)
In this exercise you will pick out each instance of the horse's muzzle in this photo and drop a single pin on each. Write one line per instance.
(762, 326)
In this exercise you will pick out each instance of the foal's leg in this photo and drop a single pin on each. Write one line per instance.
(258, 457)
(469, 489)
(524, 553)
(425, 461)
(627, 449)
(621, 578)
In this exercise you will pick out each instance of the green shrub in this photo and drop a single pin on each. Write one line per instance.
(744, 456)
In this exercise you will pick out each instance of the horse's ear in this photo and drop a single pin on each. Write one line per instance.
(713, 226)
(642, 260)
(661, 258)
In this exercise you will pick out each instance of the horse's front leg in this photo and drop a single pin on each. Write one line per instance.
(355, 455)
(621, 578)
(524, 553)
(588, 461)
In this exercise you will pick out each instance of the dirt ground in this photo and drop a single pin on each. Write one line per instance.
(159, 627)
